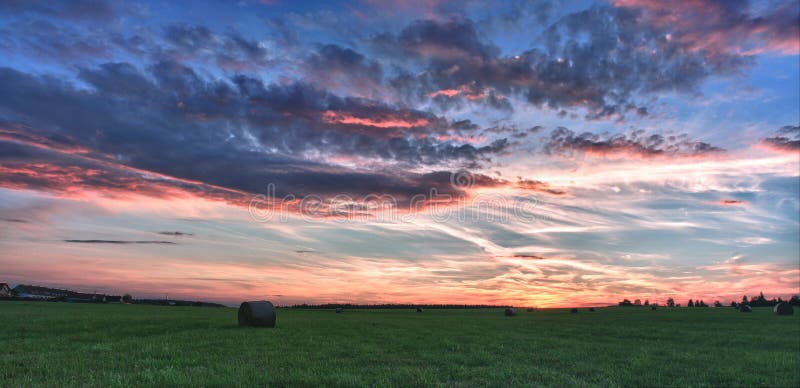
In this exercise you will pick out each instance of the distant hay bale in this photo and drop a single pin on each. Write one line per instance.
(745, 308)
(339, 310)
(419, 309)
(591, 309)
(653, 307)
(573, 311)
(258, 314)
(783, 309)
(510, 312)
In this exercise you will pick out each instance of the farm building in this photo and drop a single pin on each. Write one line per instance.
(37, 292)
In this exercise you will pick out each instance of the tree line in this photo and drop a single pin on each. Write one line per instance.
(755, 301)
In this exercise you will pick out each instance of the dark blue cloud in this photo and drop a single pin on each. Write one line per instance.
(239, 134)
(637, 144)
(787, 138)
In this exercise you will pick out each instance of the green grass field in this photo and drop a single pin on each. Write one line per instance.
(57, 344)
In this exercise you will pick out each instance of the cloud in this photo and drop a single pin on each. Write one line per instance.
(228, 51)
(31, 166)
(539, 186)
(379, 121)
(638, 144)
(449, 40)
(344, 70)
(721, 27)
(755, 240)
(121, 242)
(603, 60)
(14, 220)
(176, 234)
(738, 265)
(787, 139)
(216, 137)
(98, 10)
(47, 40)
(731, 202)
(528, 256)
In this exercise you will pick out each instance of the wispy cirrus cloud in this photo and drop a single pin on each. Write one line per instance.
(119, 242)
(176, 234)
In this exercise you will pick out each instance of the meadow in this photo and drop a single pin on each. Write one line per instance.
(58, 344)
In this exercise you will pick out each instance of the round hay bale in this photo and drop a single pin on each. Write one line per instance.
(745, 308)
(573, 311)
(783, 309)
(591, 309)
(510, 312)
(339, 310)
(419, 309)
(258, 314)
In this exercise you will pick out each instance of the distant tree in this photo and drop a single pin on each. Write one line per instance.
(744, 300)
(626, 302)
(733, 304)
(691, 303)
(795, 300)
(717, 304)
(647, 302)
(759, 300)
(671, 302)
(637, 302)
(127, 298)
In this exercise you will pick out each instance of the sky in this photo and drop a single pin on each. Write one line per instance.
(543, 153)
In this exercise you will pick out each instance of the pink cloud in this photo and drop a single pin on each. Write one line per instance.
(731, 202)
(724, 27)
(382, 121)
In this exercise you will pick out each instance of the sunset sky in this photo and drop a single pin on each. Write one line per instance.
(549, 153)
